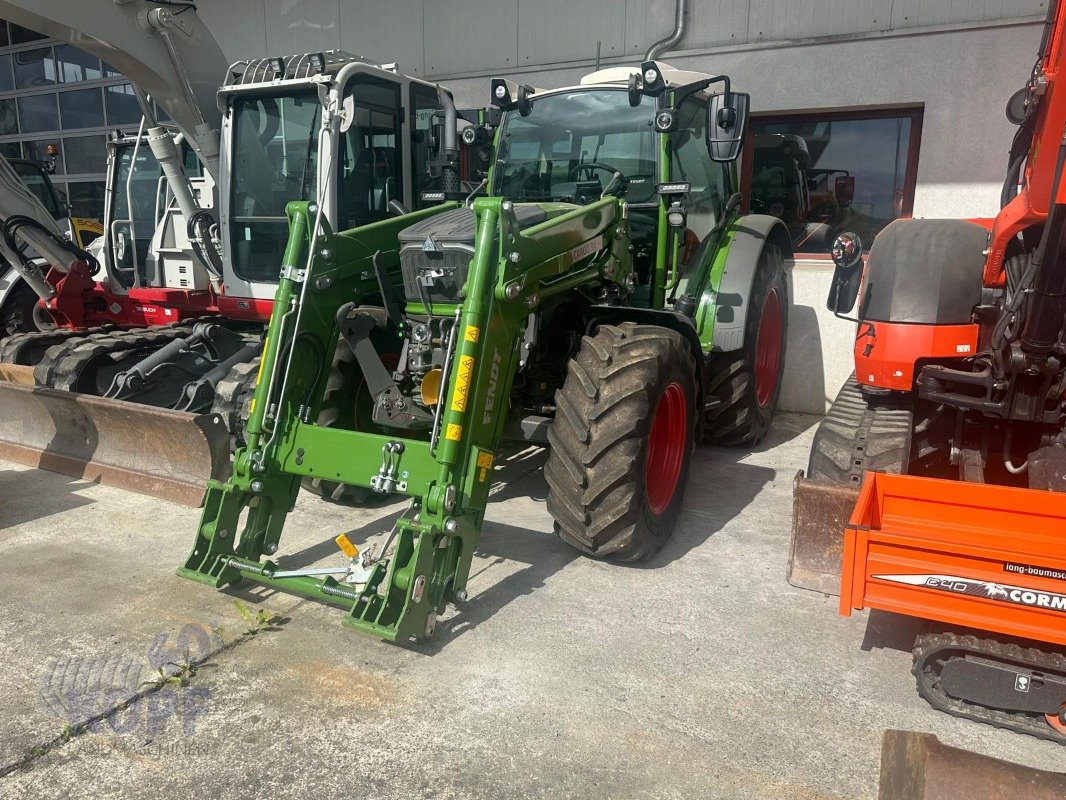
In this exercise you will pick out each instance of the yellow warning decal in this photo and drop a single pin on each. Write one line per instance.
(462, 383)
(259, 374)
(262, 361)
(454, 432)
(471, 333)
(484, 464)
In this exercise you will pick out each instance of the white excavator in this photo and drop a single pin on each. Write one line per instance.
(153, 325)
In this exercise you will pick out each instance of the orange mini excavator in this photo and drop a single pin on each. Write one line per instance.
(954, 427)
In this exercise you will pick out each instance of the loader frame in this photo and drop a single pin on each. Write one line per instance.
(447, 475)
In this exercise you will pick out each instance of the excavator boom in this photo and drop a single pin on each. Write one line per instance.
(166, 52)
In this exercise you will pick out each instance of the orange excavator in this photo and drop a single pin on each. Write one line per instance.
(943, 459)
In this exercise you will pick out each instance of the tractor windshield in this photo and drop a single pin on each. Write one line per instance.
(571, 144)
(275, 160)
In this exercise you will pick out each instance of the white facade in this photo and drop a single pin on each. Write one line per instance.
(959, 60)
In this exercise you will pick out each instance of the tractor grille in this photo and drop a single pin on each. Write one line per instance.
(441, 272)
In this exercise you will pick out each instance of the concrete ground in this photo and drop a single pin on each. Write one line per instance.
(702, 674)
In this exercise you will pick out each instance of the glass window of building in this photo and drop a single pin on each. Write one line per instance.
(38, 112)
(7, 82)
(86, 198)
(9, 121)
(35, 68)
(81, 108)
(20, 35)
(53, 93)
(38, 151)
(823, 174)
(77, 65)
(122, 106)
(85, 154)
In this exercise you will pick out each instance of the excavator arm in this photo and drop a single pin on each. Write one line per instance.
(164, 49)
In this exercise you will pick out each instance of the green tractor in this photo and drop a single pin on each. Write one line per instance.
(607, 296)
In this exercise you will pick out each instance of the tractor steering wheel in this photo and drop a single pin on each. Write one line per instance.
(591, 167)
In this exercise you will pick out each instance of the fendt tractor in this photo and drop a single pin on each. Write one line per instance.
(607, 296)
(953, 426)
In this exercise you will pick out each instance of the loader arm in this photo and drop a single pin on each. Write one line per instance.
(398, 591)
(165, 50)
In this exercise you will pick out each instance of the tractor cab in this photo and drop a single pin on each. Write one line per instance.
(362, 139)
(641, 135)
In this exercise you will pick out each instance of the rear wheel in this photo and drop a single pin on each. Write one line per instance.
(747, 382)
(622, 440)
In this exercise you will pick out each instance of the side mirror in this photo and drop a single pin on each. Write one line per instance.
(1017, 106)
(847, 277)
(727, 121)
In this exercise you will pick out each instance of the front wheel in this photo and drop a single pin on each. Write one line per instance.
(622, 441)
(747, 382)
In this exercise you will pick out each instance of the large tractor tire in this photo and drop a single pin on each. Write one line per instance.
(622, 441)
(857, 435)
(347, 404)
(747, 382)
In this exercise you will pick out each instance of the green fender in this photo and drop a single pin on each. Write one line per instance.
(723, 308)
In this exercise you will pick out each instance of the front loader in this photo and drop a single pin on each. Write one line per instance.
(936, 481)
(607, 296)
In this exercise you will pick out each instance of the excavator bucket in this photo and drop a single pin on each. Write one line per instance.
(916, 766)
(820, 512)
(166, 454)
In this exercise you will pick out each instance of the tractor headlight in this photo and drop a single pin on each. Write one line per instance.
(676, 215)
(470, 134)
(651, 76)
(501, 91)
(665, 119)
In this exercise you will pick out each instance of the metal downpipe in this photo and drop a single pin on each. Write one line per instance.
(680, 25)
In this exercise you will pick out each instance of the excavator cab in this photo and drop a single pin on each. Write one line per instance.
(360, 137)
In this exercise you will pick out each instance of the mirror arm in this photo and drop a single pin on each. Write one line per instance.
(682, 93)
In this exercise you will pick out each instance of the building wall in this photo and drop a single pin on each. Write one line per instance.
(959, 60)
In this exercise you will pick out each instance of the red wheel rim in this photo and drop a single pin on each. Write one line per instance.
(666, 447)
(768, 348)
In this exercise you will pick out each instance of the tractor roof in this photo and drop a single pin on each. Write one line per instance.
(620, 75)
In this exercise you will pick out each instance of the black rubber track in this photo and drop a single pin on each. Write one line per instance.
(929, 647)
(859, 435)
(16, 316)
(599, 440)
(233, 399)
(29, 348)
(740, 420)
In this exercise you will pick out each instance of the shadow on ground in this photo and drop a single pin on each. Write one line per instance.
(27, 495)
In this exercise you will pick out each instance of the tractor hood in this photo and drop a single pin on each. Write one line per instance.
(435, 253)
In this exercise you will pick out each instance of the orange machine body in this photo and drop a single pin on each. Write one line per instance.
(973, 555)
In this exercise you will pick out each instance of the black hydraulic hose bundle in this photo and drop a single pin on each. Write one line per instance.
(12, 225)
(1044, 285)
